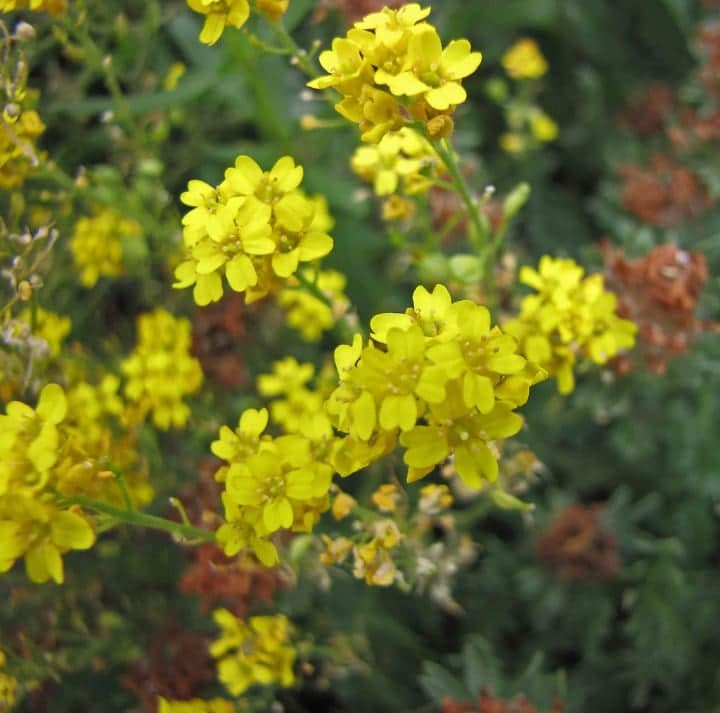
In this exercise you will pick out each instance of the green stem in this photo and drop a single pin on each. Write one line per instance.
(140, 519)
(297, 54)
(311, 287)
(479, 232)
(479, 236)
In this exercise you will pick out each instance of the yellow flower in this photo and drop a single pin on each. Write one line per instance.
(310, 315)
(524, 60)
(272, 9)
(440, 363)
(246, 440)
(342, 505)
(49, 326)
(336, 551)
(255, 652)
(391, 67)
(220, 14)
(430, 72)
(41, 533)
(513, 142)
(256, 226)
(543, 127)
(160, 371)
(401, 161)
(386, 498)
(374, 564)
(30, 441)
(243, 530)
(97, 244)
(456, 430)
(568, 317)
(18, 154)
(276, 479)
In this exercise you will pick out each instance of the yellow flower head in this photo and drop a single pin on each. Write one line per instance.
(524, 60)
(272, 9)
(443, 380)
(256, 227)
(310, 315)
(387, 498)
(342, 505)
(18, 154)
(569, 316)
(543, 127)
(253, 652)
(161, 371)
(391, 67)
(52, 328)
(220, 14)
(402, 161)
(97, 244)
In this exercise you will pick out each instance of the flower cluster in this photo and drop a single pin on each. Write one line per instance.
(270, 484)
(391, 68)
(570, 316)
(577, 545)
(665, 193)
(52, 328)
(105, 444)
(529, 126)
(402, 161)
(31, 463)
(97, 244)
(256, 227)
(160, 371)
(256, 651)
(54, 7)
(18, 155)
(309, 314)
(276, 483)
(438, 378)
(372, 559)
(220, 14)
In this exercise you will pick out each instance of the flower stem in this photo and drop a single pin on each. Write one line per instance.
(298, 55)
(479, 236)
(140, 519)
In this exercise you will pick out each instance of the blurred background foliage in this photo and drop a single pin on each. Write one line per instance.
(607, 595)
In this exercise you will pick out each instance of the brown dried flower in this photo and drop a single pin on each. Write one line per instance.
(233, 583)
(648, 114)
(664, 194)
(577, 546)
(660, 293)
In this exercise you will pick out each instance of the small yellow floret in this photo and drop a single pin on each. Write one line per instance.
(253, 652)
(524, 60)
